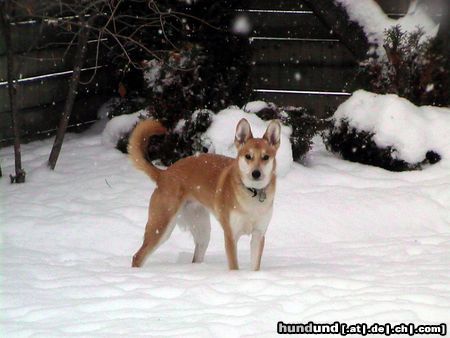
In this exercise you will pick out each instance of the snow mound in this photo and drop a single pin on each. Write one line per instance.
(119, 126)
(106, 108)
(255, 106)
(222, 130)
(374, 21)
(396, 122)
(220, 134)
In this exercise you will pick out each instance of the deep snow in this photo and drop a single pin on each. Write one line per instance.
(347, 242)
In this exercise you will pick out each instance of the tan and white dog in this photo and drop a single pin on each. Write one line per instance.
(239, 192)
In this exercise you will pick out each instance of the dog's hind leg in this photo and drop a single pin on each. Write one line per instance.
(162, 211)
(201, 231)
(196, 217)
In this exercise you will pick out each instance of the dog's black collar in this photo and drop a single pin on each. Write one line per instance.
(261, 193)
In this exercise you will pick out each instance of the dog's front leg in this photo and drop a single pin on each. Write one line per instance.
(256, 249)
(231, 249)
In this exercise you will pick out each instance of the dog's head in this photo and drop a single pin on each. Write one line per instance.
(256, 156)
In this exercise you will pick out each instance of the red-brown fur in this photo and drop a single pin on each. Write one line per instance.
(214, 181)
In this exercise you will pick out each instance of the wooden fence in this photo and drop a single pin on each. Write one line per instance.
(43, 66)
(298, 59)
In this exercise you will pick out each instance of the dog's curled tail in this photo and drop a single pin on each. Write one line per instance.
(137, 146)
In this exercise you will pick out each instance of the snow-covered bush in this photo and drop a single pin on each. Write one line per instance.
(305, 126)
(183, 140)
(188, 136)
(202, 132)
(198, 66)
(173, 85)
(121, 106)
(198, 63)
(389, 132)
(302, 121)
(118, 128)
(414, 67)
(220, 135)
(369, 15)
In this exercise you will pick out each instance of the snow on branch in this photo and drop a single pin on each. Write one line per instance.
(375, 22)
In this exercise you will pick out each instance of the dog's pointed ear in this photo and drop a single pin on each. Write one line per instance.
(273, 133)
(243, 133)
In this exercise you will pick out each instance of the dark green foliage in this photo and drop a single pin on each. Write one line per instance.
(186, 137)
(182, 83)
(414, 68)
(202, 65)
(198, 66)
(126, 106)
(173, 91)
(182, 140)
(304, 126)
(303, 122)
(359, 146)
(122, 143)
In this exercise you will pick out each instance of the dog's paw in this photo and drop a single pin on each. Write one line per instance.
(136, 262)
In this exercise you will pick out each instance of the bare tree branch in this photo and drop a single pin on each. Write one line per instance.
(75, 80)
(5, 11)
(111, 27)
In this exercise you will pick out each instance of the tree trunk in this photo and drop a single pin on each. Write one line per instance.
(73, 87)
(6, 28)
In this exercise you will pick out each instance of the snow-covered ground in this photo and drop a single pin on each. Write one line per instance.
(347, 243)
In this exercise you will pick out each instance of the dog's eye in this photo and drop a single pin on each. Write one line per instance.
(265, 157)
(248, 156)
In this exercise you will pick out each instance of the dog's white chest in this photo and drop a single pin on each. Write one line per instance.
(249, 221)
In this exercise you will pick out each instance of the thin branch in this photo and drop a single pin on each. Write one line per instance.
(12, 91)
(72, 92)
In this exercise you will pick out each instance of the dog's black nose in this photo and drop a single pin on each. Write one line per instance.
(256, 174)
